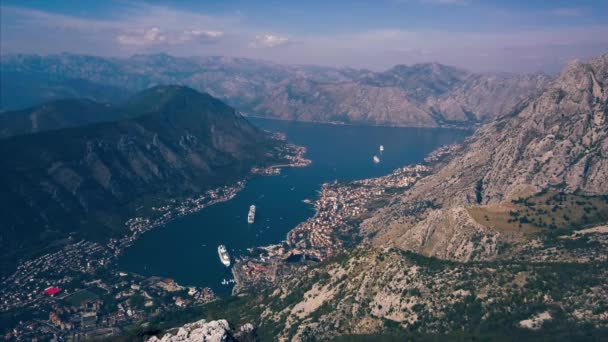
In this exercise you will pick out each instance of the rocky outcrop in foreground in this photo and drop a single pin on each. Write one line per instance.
(204, 331)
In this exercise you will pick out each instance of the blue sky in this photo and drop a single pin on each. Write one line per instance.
(513, 36)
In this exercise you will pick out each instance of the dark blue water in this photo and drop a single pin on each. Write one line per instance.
(186, 248)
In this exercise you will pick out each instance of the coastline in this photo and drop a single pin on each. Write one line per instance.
(358, 124)
(341, 206)
(83, 258)
(316, 239)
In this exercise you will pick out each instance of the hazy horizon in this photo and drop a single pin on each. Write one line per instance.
(496, 36)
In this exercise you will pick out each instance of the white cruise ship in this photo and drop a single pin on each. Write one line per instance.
(224, 256)
(251, 215)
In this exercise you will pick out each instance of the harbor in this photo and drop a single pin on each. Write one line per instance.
(278, 199)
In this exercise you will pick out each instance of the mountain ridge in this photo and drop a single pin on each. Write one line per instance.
(55, 115)
(421, 95)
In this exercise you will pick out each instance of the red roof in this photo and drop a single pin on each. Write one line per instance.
(51, 291)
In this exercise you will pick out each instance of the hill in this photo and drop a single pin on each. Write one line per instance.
(86, 181)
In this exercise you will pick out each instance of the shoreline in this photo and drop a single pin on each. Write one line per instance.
(82, 259)
(332, 123)
(338, 210)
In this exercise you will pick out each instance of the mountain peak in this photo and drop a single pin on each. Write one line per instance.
(171, 98)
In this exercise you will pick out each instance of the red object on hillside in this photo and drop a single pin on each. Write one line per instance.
(51, 291)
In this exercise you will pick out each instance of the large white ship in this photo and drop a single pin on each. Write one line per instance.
(376, 160)
(224, 256)
(251, 215)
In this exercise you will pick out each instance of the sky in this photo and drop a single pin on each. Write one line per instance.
(511, 36)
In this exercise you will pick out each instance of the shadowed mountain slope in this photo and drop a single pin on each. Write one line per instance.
(87, 181)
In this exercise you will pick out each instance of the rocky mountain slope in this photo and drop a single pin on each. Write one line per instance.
(556, 142)
(505, 239)
(86, 181)
(422, 95)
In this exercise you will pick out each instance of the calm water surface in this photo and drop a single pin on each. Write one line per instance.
(186, 248)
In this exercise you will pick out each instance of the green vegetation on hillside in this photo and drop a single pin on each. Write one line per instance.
(547, 212)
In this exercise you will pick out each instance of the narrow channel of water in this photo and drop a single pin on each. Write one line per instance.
(186, 248)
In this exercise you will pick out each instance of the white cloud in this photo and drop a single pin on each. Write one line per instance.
(144, 37)
(190, 35)
(269, 41)
(155, 35)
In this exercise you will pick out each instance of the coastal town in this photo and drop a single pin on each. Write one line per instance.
(90, 304)
(78, 291)
(339, 209)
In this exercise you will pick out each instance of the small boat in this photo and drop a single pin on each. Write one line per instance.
(223, 254)
(376, 160)
(381, 148)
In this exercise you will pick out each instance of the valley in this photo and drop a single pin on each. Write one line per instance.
(303, 171)
(117, 261)
(504, 236)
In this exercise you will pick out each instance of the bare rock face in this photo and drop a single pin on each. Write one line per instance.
(422, 95)
(348, 102)
(451, 234)
(483, 97)
(558, 141)
(208, 331)
(200, 331)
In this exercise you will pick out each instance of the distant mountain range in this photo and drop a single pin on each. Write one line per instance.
(422, 95)
(55, 115)
(81, 177)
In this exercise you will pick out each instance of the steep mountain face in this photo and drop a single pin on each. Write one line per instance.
(423, 101)
(557, 142)
(348, 102)
(420, 80)
(88, 180)
(485, 97)
(55, 115)
(423, 95)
